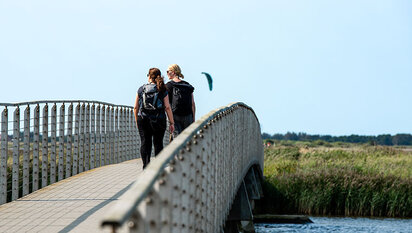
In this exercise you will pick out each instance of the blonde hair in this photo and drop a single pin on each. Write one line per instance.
(176, 69)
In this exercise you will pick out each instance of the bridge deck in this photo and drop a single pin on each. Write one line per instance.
(76, 204)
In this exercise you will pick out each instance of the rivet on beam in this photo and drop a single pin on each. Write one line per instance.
(188, 149)
(181, 157)
(205, 127)
(149, 200)
(131, 224)
(172, 162)
(201, 131)
(162, 182)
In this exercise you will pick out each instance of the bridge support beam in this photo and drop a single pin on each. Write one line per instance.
(240, 217)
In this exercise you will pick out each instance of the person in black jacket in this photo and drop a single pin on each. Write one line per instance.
(151, 103)
(180, 98)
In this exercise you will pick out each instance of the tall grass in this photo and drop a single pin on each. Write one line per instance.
(335, 180)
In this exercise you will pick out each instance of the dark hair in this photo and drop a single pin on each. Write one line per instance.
(156, 76)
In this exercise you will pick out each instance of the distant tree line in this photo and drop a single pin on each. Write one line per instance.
(383, 139)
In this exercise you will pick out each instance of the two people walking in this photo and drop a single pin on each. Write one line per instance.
(156, 100)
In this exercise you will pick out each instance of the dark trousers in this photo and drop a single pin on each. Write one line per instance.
(182, 122)
(150, 130)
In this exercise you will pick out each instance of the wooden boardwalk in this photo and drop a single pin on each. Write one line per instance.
(76, 204)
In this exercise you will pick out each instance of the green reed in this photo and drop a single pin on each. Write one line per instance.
(333, 180)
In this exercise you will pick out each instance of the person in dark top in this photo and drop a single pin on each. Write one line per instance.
(180, 98)
(151, 103)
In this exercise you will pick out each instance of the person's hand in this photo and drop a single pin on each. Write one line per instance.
(171, 128)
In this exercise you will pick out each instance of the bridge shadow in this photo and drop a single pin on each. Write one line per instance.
(87, 214)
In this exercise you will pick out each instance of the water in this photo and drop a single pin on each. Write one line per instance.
(323, 224)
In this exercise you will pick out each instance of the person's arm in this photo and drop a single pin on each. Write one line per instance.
(169, 113)
(136, 108)
(193, 108)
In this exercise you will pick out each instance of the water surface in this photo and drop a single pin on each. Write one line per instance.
(324, 224)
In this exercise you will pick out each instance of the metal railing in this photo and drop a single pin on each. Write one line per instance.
(46, 141)
(192, 183)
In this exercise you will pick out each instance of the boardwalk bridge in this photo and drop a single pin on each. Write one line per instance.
(73, 166)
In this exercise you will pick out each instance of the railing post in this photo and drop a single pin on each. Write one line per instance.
(16, 157)
(103, 138)
(45, 147)
(107, 135)
(136, 141)
(4, 156)
(175, 180)
(98, 137)
(122, 128)
(61, 143)
(152, 207)
(93, 139)
(203, 204)
(87, 139)
(53, 145)
(36, 148)
(81, 145)
(128, 140)
(164, 190)
(117, 141)
(69, 153)
(26, 152)
(76, 139)
(112, 136)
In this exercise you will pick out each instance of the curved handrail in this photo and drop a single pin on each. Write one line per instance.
(169, 157)
(61, 101)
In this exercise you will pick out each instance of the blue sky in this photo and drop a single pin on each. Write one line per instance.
(320, 67)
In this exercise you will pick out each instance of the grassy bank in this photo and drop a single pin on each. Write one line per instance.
(338, 179)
